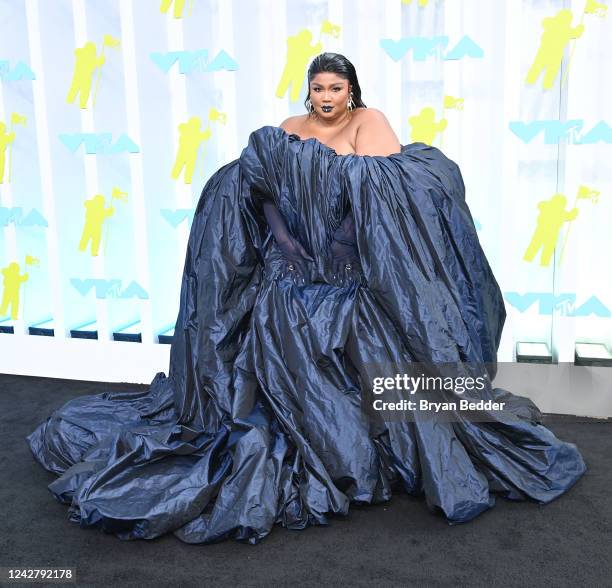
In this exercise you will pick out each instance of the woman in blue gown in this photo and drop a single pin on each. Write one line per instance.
(314, 261)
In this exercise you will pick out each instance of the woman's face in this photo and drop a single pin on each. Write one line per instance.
(329, 94)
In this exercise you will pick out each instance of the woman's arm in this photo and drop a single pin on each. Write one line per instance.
(292, 250)
(375, 135)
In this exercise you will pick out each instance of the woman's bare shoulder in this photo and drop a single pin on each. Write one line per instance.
(375, 136)
(293, 123)
(371, 116)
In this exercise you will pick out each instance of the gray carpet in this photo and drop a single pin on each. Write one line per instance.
(565, 543)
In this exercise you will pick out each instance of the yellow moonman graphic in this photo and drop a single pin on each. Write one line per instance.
(96, 213)
(12, 281)
(87, 61)
(550, 220)
(424, 126)
(557, 33)
(190, 138)
(299, 53)
(6, 139)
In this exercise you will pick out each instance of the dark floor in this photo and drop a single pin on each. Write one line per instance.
(565, 543)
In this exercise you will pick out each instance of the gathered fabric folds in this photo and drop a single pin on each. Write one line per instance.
(263, 416)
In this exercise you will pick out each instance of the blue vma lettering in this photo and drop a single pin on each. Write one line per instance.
(555, 130)
(176, 217)
(99, 143)
(424, 47)
(564, 304)
(21, 71)
(190, 61)
(109, 288)
(34, 218)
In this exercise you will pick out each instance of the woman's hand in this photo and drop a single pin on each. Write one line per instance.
(291, 249)
(295, 255)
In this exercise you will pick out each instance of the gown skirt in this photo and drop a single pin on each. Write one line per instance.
(267, 413)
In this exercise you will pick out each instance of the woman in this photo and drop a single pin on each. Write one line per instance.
(336, 114)
(314, 275)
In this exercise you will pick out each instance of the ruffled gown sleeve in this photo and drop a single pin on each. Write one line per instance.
(424, 265)
(263, 163)
(221, 277)
(421, 255)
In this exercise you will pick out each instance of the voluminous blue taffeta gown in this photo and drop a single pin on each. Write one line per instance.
(261, 419)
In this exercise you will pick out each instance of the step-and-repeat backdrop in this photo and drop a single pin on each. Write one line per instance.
(114, 113)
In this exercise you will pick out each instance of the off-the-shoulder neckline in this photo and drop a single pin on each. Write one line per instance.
(331, 149)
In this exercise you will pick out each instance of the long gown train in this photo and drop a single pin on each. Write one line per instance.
(263, 417)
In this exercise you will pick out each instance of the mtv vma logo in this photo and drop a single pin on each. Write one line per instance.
(109, 288)
(424, 47)
(99, 143)
(555, 130)
(176, 217)
(21, 71)
(190, 61)
(564, 304)
(14, 215)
